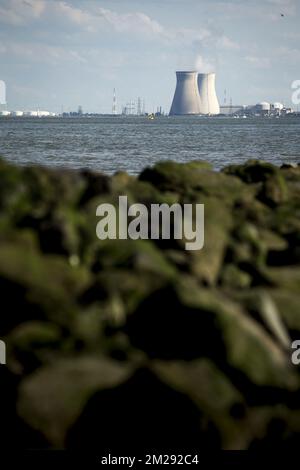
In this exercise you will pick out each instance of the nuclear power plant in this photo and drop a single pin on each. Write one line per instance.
(186, 99)
(207, 90)
(195, 94)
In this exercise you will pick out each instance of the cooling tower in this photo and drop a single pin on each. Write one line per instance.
(208, 98)
(186, 99)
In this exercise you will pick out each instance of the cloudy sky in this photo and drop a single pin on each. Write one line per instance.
(67, 53)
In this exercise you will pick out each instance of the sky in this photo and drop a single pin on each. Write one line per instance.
(58, 55)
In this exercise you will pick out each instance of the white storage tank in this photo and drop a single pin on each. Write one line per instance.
(43, 113)
(17, 113)
(278, 106)
(31, 113)
(263, 106)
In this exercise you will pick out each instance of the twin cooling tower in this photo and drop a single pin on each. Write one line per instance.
(195, 94)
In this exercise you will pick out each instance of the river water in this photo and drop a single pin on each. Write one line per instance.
(116, 143)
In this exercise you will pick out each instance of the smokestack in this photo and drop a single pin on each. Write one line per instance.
(207, 92)
(186, 99)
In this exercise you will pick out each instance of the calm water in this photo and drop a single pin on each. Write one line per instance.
(117, 143)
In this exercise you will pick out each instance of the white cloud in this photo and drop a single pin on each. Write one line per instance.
(197, 47)
(188, 35)
(90, 57)
(41, 53)
(92, 19)
(22, 90)
(258, 62)
(98, 19)
(226, 43)
(288, 53)
(261, 10)
(284, 3)
(131, 22)
(203, 65)
(137, 23)
(3, 48)
(76, 16)
(18, 12)
(291, 35)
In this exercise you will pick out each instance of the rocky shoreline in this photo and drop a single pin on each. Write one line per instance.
(108, 339)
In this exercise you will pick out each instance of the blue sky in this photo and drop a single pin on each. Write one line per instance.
(74, 52)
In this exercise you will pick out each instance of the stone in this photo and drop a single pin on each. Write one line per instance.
(32, 344)
(51, 399)
(253, 171)
(206, 323)
(106, 339)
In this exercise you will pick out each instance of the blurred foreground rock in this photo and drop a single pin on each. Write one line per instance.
(119, 341)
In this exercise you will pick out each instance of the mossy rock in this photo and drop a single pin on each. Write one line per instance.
(186, 179)
(140, 255)
(285, 277)
(233, 277)
(274, 191)
(205, 264)
(214, 395)
(208, 332)
(253, 171)
(130, 286)
(95, 184)
(202, 322)
(261, 307)
(38, 286)
(288, 303)
(51, 399)
(32, 344)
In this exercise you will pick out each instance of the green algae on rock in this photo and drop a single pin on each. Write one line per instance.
(143, 332)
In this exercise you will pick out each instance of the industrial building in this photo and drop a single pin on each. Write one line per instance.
(229, 110)
(195, 93)
(5, 113)
(262, 109)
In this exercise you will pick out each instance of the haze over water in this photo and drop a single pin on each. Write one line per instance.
(116, 143)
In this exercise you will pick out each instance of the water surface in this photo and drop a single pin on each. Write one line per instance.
(117, 143)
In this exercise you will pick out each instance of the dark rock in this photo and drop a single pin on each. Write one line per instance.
(113, 338)
(51, 399)
(149, 413)
(96, 184)
(253, 171)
